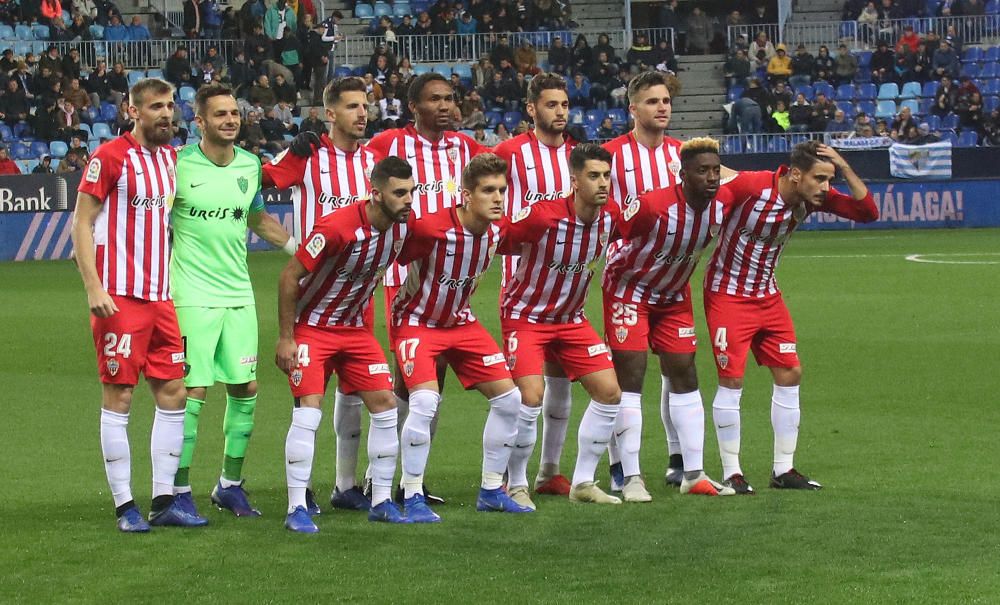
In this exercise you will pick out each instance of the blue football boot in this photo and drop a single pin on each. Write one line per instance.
(233, 499)
(175, 516)
(416, 510)
(352, 499)
(387, 512)
(131, 521)
(299, 520)
(497, 500)
(185, 500)
(311, 507)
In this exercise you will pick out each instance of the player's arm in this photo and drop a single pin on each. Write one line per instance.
(288, 293)
(526, 226)
(727, 174)
(287, 169)
(267, 227)
(859, 206)
(637, 217)
(88, 207)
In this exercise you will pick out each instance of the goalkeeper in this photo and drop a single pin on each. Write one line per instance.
(218, 197)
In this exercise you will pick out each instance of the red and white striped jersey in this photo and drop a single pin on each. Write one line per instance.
(437, 171)
(346, 257)
(662, 239)
(755, 232)
(559, 253)
(636, 169)
(137, 187)
(445, 263)
(535, 172)
(330, 178)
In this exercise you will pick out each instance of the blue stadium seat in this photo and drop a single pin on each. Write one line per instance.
(888, 91)
(992, 54)
(382, 9)
(805, 89)
(911, 90)
(731, 146)
(158, 73)
(400, 10)
(594, 116)
(991, 103)
(21, 151)
(618, 116)
(495, 117)
(992, 87)
(96, 32)
(929, 89)
(973, 54)
(777, 145)
(866, 92)
(848, 29)
(23, 32)
(951, 137)
(193, 129)
(795, 139)
(993, 7)
(86, 128)
(186, 93)
(867, 106)
(102, 131)
(933, 122)
(187, 112)
(93, 145)
(443, 69)
(848, 108)
(912, 104)
(176, 142)
(576, 115)
(28, 165)
(22, 130)
(39, 148)
(949, 122)
(134, 76)
(108, 112)
(462, 69)
(421, 69)
(886, 109)
(971, 70)
(57, 149)
(823, 87)
(5, 133)
(6, 32)
(343, 71)
(90, 115)
(511, 119)
(363, 11)
(989, 71)
(846, 92)
(359, 71)
(968, 138)
(40, 32)
(67, 17)
(864, 59)
(734, 93)
(591, 131)
(925, 106)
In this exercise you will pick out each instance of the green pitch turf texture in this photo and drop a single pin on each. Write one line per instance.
(900, 417)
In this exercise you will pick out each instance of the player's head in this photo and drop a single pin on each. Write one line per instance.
(700, 166)
(431, 99)
(649, 101)
(217, 114)
(590, 167)
(392, 188)
(484, 186)
(345, 101)
(151, 105)
(548, 103)
(811, 173)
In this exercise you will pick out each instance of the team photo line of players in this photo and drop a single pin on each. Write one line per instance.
(424, 210)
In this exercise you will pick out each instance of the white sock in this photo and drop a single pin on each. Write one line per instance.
(596, 428)
(498, 437)
(726, 414)
(415, 439)
(165, 449)
(300, 444)
(688, 414)
(673, 439)
(628, 432)
(556, 403)
(785, 415)
(347, 427)
(383, 447)
(223, 482)
(117, 456)
(524, 445)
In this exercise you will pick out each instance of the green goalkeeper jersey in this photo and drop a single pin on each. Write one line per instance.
(208, 267)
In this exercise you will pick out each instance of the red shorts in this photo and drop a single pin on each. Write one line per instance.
(352, 352)
(369, 316)
(668, 328)
(389, 293)
(762, 325)
(575, 347)
(142, 336)
(468, 349)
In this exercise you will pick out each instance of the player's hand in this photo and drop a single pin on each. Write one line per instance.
(101, 304)
(302, 144)
(833, 155)
(286, 355)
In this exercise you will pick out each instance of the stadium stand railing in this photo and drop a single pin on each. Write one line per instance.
(973, 30)
(135, 54)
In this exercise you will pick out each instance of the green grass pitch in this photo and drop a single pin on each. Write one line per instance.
(900, 417)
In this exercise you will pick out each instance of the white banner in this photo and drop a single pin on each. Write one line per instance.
(921, 161)
(861, 143)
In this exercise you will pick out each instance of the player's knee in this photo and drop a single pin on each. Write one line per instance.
(170, 394)
(507, 404)
(531, 395)
(198, 393)
(118, 398)
(788, 377)
(731, 382)
(380, 401)
(684, 381)
(608, 393)
(245, 390)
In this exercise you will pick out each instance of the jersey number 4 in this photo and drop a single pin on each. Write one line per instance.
(302, 353)
(721, 341)
(117, 345)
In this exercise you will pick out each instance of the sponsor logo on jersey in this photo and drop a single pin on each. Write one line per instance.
(248, 360)
(521, 214)
(431, 187)
(492, 360)
(155, 201)
(723, 360)
(786, 347)
(767, 239)
(567, 267)
(296, 376)
(595, 350)
(673, 258)
(237, 214)
(533, 196)
(621, 333)
(177, 358)
(378, 368)
(457, 283)
(93, 171)
(337, 201)
(685, 332)
(315, 245)
(243, 183)
(113, 367)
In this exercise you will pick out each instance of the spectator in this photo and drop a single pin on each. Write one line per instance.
(780, 65)
(607, 129)
(50, 9)
(76, 95)
(240, 75)
(372, 86)
(582, 53)
(283, 113)
(846, 66)
(99, 86)
(502, 133)
(548, 14)
(374, 114)
(79, 29)
(761, 15)
(945, 61)
(803, 64)
(277, 19)
(313, 123)
(7, 165)
(666, 16)
(178, 68)
(262, 94)
(825, 68)
(115, 31)
(192, 18)
(839, 123)
(290, 52)
(904, 120)
(206, 74)
(250, 131)
(882, 129)
(991, 134)
(524, 19)
(78, 144)
(526, 59)
(316, 61)
(71, 163)
(284, 90)
(761, 43)
(800, 114)
(390, 110)
(861, 122)
(71, 66)
(780, 116)
(44, 165)
(699, 32)
(920, 65)
(559, 56)
(472, 111)
(970, 111)
(482, 73)
(780, 92)
(604, 46)
(137, 30)
(737, 69)
(405, 28)
(954, 38)
(258, 47)
(405, 70)
(25, 80)
(922, 135)
(905, 61)
(212, 56)
(211, 19)
(909, 40)
(868, 23)
(664, 57)
(123, 121)
(883, 64)
(746, 116)
(823, 111)
(14, 104)
(579, 91)
(495, 94)
(640, 54)
(502, 51)
(456, 85)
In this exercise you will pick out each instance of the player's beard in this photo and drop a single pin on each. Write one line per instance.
(155, 137)
(549, 129)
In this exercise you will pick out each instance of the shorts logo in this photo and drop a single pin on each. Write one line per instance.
(521, 214)
(296, 377)
(248, 360)
(596, 350)
(621, 333)
(631, 210)
(93, 171)
(492, 360)
(786, 347)
(723, 360)
(316, 244)
(113, 367)
(177, 358)
(408, 368)
(511, 361)
(378, 368)
(685, 332)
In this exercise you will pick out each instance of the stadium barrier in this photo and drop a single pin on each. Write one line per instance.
(142, 54)
(36, 213)
(972, 30)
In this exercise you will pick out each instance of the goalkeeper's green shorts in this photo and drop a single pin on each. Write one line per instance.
(220, 344)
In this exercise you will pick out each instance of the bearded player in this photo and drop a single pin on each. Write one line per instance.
(745, 309)
(647, 300)
(325, 173)
(218, 198)
(122, 249)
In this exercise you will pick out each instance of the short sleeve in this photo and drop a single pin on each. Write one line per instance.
(526, 226)
(419, 241)
(101, 175)
(257, 205)
(637, 217)
(285, 170)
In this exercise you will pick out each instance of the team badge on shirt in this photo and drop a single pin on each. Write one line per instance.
(675, 167)
(243, 183)
(296, 376)
(93, 171)
(723, 360)
(521, 214)
(397, 246)
(714, 230)
(452, 154)
(113, 367)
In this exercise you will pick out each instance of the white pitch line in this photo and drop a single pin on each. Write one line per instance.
(918, 258)
(909, 257)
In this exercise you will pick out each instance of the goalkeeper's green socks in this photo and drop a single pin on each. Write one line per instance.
(182, 481)
(238, 426)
